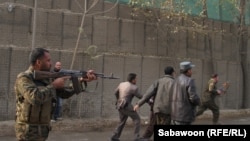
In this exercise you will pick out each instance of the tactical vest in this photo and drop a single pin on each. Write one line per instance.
(31, 107)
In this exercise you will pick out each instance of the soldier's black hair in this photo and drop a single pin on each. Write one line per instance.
(169, 70)
(36, 54)
(131, 77)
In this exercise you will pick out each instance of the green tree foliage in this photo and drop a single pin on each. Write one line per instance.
(224, 10)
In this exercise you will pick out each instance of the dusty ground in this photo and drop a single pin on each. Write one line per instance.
(99, 124)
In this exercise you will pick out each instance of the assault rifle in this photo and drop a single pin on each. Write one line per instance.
(72, 74)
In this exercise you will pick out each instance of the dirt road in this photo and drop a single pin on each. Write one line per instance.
(101, 130)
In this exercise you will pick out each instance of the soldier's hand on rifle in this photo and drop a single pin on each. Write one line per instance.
(58, 83)
(89, 76)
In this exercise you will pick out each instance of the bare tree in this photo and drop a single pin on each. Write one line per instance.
(91, 51)
(84, 14)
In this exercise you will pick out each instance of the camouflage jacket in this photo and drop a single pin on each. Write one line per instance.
(34, 98)
(210, 92)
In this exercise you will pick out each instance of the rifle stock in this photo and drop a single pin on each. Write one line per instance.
(73, 74)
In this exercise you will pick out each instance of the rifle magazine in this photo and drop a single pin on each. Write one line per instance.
(77, 85)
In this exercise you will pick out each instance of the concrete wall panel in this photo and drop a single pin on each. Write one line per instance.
(100, 33)
(235, 49)
(17, 65)
(201, 47)
(54, 24)
(113, 64)
(234, 96)
(55, 56)
(54, 42)
(182, 50)
(25, 2)
(21, 28)
(209, 24)
(77, 6)
(139, 37)
(65, 58)
(6, 26)
(97, 8)
(89, 102)
(60, 4)
(113, 39)
(87, 35)
(192, 44)
(197, 73)
(162, 43)
(4, 82)
(41, 30)
(148, 76)
(227, 48)
(54, 30)
(124, 12)
(150, 38)
(70, 31)
(47, 4)
(7, 34)
(217, 46)
(173, 45)
(112, 11)
(227, 71)
(127, 36)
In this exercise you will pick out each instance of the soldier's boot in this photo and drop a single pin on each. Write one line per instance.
(216, 118)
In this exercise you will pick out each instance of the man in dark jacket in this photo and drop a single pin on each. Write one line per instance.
(161, 91)
(185, 99)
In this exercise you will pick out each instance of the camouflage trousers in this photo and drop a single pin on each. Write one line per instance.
(26, 132)
(213, 107)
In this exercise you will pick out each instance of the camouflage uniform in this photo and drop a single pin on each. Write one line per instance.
(34, 105)
(208, 101)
